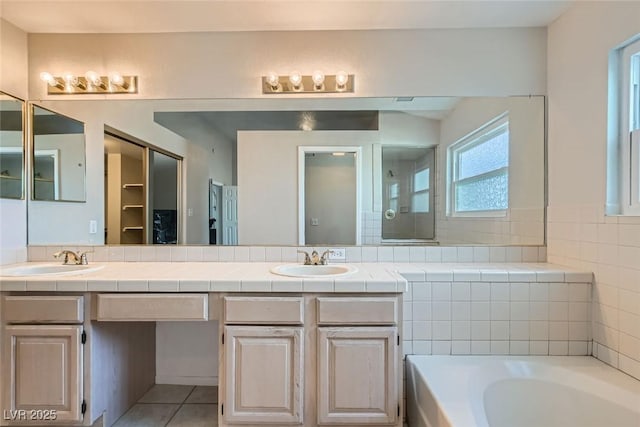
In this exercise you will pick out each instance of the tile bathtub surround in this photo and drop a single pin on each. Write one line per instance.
(396, 254)
(581, 236)
(534, 317)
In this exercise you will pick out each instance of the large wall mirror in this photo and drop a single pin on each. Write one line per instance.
(58, 157)
(434, 170)
(11, 147)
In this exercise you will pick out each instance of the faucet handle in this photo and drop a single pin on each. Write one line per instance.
(307, 258)
(83, 257)
(324, 259)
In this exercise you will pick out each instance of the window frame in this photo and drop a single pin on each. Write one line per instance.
(479, 136)
(630, 129)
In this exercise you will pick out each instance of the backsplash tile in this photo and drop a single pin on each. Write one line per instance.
(498, 317)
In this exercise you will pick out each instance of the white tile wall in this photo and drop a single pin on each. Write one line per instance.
(463, 317)
(581, 236)
(396, 254)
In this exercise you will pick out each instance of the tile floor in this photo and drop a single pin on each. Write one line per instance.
(174, 406)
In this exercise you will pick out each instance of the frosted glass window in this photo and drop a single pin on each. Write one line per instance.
(421, 180)
(485, 194)
(394, 190)
(420, 202)
(479, 165)
(420, 194)
(485, 157)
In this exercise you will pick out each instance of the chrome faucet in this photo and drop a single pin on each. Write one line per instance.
(72, 258)
(315, 258)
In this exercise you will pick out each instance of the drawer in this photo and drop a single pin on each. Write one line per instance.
(358, 311)
(152, 307)
(43, 309)
(264, 310)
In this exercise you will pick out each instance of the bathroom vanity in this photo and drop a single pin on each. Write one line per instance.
(80, 350)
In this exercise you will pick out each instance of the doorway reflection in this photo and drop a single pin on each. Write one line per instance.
(408, 175)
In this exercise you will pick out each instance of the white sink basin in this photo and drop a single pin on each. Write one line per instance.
(311, 271)
(49, 270)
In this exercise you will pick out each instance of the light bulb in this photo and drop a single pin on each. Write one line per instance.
(116, 79)
(296, 79)
(47, 77)
(318, 79)
(70, 79)
(272, 80)
(93, 78)
(341, 79)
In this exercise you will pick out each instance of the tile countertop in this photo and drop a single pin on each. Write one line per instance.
(256, 277)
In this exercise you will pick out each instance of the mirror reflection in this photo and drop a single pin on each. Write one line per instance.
(58, 157)
(407, 197)
(141, 193)
(241, 181)
(11, 147)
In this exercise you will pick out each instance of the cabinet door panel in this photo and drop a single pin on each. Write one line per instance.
(43, 365)
(263, 375)
(357, 382)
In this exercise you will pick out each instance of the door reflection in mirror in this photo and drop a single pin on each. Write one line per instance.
(407, 197)
(330, 198)
(58, 157)
(141, 193)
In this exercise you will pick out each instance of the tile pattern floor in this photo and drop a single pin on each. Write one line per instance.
(174, 406)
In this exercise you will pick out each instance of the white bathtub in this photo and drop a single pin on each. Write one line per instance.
(519, 391)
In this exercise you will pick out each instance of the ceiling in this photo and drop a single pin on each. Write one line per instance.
(205, 117)
(152, 16)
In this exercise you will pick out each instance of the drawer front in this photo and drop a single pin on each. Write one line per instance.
(152, 307)
(358, 311)
(264, 310)
(43, 309)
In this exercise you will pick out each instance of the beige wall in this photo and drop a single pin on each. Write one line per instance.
(13, 80)
(524, 223)
(579, 234)
(466, 62)
(268, 180)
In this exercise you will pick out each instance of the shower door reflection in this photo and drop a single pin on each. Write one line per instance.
(408, 175)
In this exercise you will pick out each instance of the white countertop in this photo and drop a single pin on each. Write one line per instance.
(256, 277)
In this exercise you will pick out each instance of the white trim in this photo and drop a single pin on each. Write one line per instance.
(628, 165)
(634, 184)
(302, 150)
(56, 171)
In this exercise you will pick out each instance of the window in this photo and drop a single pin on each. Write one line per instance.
(630, 129)
(420, 194)
(479, 171)
(394, 193)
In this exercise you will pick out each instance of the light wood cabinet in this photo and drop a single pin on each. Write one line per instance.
(311, 360)
(263, 375)
(42, 372)
(357, 375)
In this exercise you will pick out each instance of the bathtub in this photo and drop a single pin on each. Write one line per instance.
(519, 391)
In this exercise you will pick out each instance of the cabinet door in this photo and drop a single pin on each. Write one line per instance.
(43, 371)
(263, 375)
(357, 375)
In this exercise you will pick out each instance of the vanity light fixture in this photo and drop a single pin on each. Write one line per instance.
(317, 82)
(91, 83)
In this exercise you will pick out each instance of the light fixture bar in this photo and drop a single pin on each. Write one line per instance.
(94, 85)
(307, 85)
